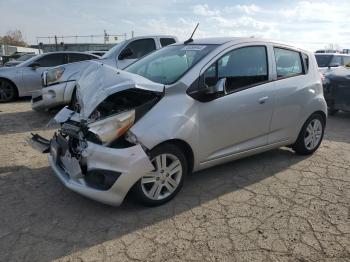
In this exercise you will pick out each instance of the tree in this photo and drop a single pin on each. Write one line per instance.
(13, 38)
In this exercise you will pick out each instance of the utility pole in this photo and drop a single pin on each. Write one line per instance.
(56, 45)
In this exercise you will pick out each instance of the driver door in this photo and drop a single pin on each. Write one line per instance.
(138, 48)
(31, 76)
(238, 120)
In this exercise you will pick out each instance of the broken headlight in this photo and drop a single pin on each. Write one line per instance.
(53, 75)
(113, 127)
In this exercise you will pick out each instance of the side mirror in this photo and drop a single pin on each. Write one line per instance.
(34, 65)
(334, 65)
(219, 88)
(125, 53)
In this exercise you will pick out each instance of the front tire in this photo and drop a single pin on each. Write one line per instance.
(8, 92)
(310, 136)
(166, 180)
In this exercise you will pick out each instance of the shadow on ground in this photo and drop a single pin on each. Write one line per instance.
(20, 122)
(41, 220)
(338, 127)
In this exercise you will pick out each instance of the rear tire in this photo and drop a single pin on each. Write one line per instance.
(8, 91)
(162, 184)
(310, 136)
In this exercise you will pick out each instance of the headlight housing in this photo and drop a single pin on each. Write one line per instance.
(113, 127)
(53, 75)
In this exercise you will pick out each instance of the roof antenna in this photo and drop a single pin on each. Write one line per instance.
(191, 39)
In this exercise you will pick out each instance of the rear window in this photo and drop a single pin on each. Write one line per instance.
(167, 41)
(288, 63)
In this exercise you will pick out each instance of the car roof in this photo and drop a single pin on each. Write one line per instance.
(339, 54)
(233, 40)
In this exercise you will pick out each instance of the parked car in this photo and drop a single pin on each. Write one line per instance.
(336, 87)
(184, 108)
(327, 62)
(59, 83)
(25, 78)
(19, 60)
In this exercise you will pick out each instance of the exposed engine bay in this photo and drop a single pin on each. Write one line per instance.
(112, 118)
(126, 100)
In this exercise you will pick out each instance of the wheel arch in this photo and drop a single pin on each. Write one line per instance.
(185, 147)
(323, 114)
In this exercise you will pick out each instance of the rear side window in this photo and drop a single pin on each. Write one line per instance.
(241, 67)
(288, 63)
(51, 60)
(346, 61)
(141, 48)
(167, 41)
(75, 57)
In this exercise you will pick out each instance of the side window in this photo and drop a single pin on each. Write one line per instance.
(306, 62)
(346, 61)
(167, 41)
(140, 48)
(288, 63)
(76, 57)
(241, 67)
(51, 60)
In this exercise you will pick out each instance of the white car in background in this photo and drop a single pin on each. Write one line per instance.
(21, 80)
(59, 83)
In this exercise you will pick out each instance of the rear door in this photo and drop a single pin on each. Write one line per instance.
(139, 48)
(292, 92)
(32, 76)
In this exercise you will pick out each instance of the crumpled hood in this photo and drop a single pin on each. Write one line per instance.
(98, 81)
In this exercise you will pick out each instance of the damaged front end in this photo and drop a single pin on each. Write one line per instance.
(92, 153)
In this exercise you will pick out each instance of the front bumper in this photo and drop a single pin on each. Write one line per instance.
(52, 96)
(129, 164)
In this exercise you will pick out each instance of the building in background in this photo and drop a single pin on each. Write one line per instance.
(81, 47)
(9, 50)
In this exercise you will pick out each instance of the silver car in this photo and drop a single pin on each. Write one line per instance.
(181, 109)
(59, 82)
(24, 78)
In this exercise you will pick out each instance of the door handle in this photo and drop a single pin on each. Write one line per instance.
(262, 100)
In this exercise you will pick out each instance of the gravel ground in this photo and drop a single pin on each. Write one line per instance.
(274, 206)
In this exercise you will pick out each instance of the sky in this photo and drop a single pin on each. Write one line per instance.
(308, 24)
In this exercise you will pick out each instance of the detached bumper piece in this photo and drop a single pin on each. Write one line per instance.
(39, 143)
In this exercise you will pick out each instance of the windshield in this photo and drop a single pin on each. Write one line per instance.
(168, 64)
(323, 60)
(328, 60)
(110, 51)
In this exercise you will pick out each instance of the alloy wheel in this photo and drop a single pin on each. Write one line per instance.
(165, 179)
(6, 91)
(313, 134)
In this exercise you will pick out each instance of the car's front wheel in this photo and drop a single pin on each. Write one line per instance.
(310, 136)
(8, 91)
(165, 181)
